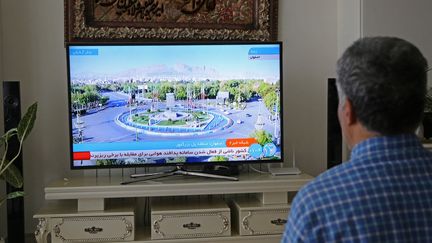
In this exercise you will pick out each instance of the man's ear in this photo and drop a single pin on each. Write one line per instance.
(348, 112)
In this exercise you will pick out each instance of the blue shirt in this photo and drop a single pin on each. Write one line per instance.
(383, 194)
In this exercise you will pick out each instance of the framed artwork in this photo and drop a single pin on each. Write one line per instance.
(158, 20)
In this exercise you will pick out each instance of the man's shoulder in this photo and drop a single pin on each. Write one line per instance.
(329, 186)
(315, 200)
(329, 179)
(356, 179)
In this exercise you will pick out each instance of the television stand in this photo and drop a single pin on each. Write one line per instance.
(90, 209)
(177, 171)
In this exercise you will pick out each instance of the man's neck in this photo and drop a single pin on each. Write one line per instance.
(359, 134)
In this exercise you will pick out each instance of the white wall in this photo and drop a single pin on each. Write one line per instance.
(410, 20)
(309, 32)
(350, 28)
(33, 52)
(350, 25)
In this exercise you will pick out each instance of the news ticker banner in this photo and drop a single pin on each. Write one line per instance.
(214, 147)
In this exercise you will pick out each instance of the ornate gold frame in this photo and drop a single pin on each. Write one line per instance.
(168, 20)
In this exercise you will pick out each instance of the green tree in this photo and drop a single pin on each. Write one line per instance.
(246, 91)
(265, 88)
(87, 94)
(165, 88)
(86, 97)
(180, 93)
(104, 100)
(104, 162)
(129, 87)
(89, 88)
(212, 89)
(270, 101)
(232, 86)
(218, 158)
(176, 160)
(196, 90)
(262, 137)
(114, 87)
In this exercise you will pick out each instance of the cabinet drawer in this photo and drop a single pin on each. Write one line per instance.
(251, 217)
(191, 225)
(93, 229)
(189, 219)
(263, 222)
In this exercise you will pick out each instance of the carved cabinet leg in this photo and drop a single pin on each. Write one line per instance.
(41, 232)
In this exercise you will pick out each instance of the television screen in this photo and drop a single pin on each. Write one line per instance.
(174, 104)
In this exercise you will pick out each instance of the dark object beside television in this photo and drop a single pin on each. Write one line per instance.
(12, 116)
(334, 133)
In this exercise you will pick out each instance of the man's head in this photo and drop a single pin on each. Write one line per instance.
(382, 86)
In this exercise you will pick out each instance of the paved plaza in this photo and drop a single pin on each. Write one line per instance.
(100, 125)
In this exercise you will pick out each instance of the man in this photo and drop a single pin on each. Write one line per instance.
(384, 193)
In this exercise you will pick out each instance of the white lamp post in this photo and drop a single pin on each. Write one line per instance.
(80, 126)
(259, 124)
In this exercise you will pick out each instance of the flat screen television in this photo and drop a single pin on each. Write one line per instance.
(135, 105)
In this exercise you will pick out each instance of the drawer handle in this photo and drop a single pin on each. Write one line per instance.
(191, 226)
(278, 221)
(93, 230)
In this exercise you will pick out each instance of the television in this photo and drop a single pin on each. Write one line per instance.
(157, 104)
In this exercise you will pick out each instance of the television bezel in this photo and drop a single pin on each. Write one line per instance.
(221, 43)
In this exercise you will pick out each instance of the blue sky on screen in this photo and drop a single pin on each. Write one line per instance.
(227, 59)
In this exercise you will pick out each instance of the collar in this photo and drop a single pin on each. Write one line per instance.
(382, 143)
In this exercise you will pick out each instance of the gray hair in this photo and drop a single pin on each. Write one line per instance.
(385, 80)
